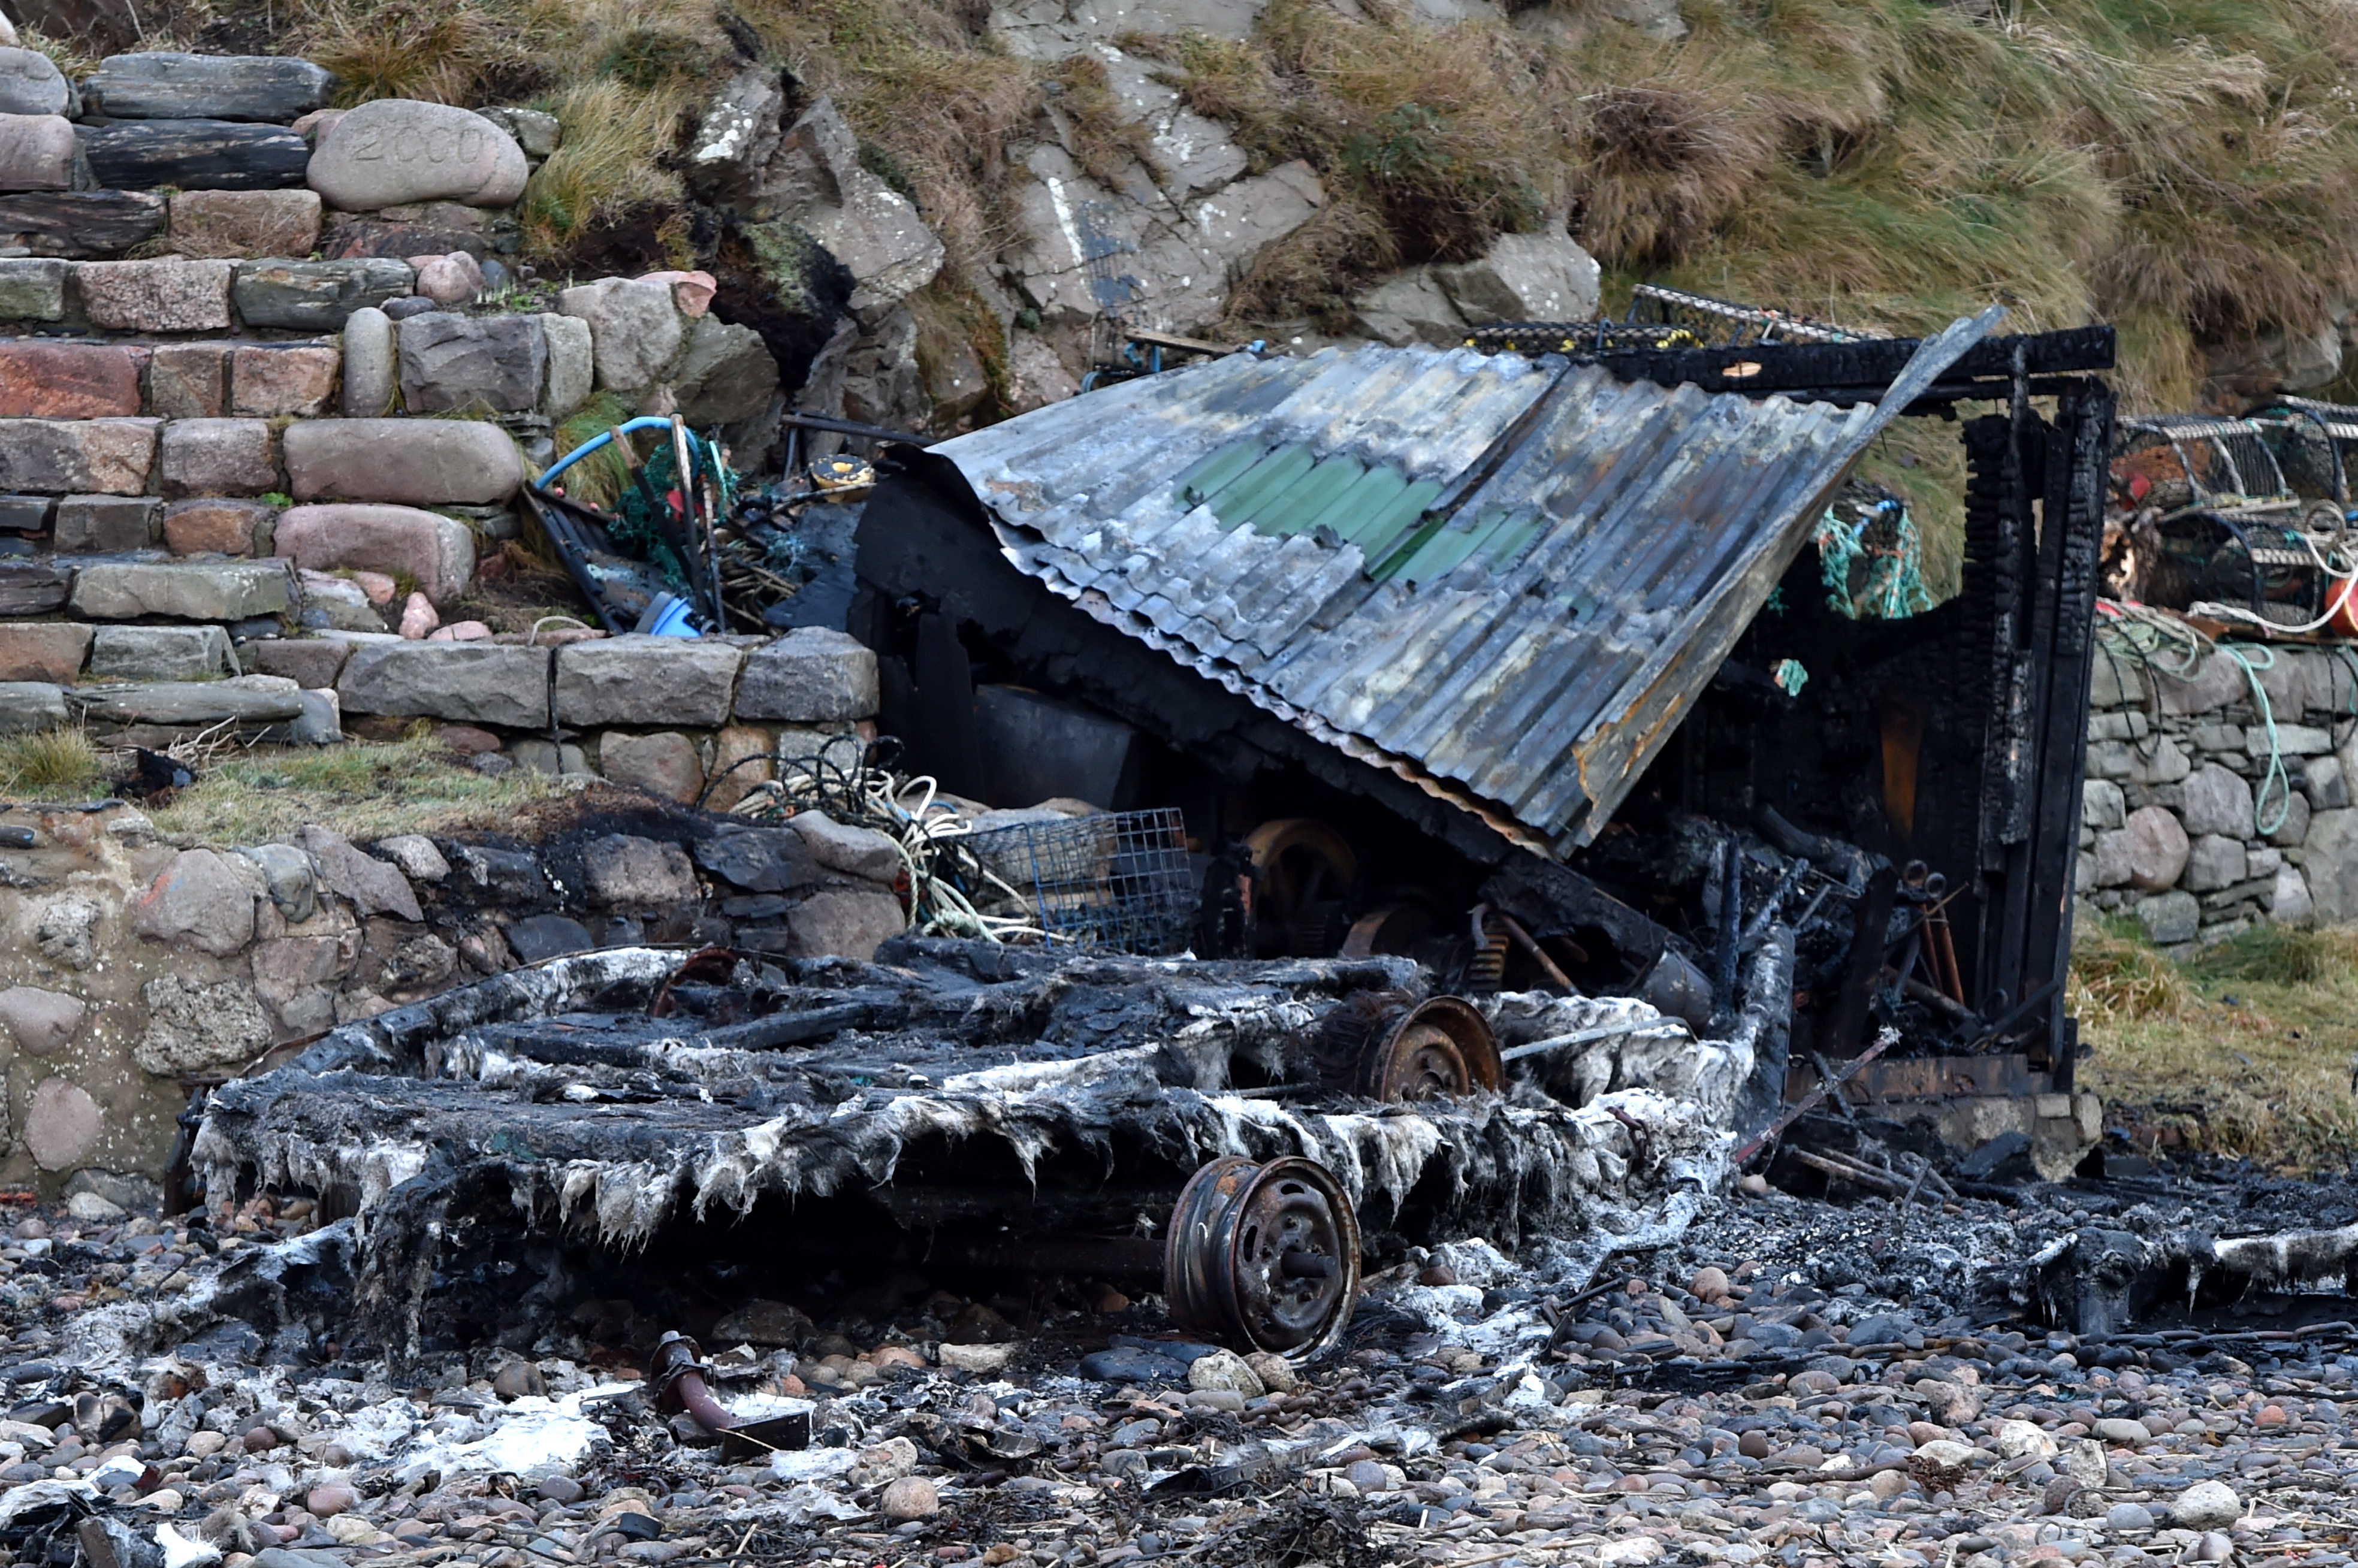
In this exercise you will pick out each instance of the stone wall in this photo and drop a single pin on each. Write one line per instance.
(130, 969)
(2190, 826)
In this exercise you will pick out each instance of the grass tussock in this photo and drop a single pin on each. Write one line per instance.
(2247, 1050)
(1894, 164)
(917, 82)
(602, 168)
(2190, 171)
(1080, 91)
(51, 766)
(408, 49)
(598, 478)
(72, 61)
(363, 790)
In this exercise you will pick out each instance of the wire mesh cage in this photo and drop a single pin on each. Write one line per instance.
(1662, 317)
(2199, 460)
(1717, 323)
(2316, 444)
(1119, 880)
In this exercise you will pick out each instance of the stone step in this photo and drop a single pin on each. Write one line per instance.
(172, 296)
(76, 223)
(64, 378)
(211, 154)
(245, 699)
(238, 225)
(161, 86)
(226, 591)
(431, 462)
(396, 349)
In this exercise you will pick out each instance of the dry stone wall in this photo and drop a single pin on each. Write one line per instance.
(133, 970)
(2221, 797)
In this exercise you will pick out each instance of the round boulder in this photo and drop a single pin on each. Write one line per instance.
(397, 151)
(435, 550)
(910, 1498)
(40, 1020)
(64, 1125)
(2158, 848)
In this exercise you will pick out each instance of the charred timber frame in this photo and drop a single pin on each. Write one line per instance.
(2014, 657)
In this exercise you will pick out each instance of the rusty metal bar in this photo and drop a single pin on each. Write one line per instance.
(1808, 1102)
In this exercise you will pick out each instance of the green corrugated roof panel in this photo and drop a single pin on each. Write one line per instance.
(1240, 502)
(1308, 496)
(1215, 472)
(1374, 490)
(1384, 528)
(1446, 550)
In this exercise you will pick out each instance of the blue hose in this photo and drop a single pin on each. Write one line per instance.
(604, 437)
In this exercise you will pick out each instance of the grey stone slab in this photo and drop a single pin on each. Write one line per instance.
(195, 155)
(162, 86)
(80, 223)
(32, 288)
(30, 705)
(809, 676)
(468, 683)
(161, 653)
(315, 296)
(190, 702)
(33, 588)
(646, 680)
(65, 457)
(25, 513)
(181, 591)
(107, 524)
(452, 362)
(759, 860)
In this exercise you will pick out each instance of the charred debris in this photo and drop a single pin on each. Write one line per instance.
(1578, 708)
(1493, 821)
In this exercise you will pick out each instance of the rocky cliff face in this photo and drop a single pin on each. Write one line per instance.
(1129, 210)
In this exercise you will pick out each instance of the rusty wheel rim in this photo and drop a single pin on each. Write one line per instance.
(1266, 1257)
(1441, 1049)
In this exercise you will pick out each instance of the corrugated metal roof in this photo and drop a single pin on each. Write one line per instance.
(1503, 579)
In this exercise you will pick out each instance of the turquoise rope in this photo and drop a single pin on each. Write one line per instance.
(1895, 580)
(2277, 777)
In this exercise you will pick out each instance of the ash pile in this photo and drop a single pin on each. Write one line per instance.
(728, 1123)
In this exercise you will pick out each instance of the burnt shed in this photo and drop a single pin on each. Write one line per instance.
(1485, 612)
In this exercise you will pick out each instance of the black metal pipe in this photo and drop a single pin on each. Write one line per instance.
(852, 428)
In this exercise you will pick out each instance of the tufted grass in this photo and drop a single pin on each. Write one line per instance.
(363, 789)
(51, 766)
(2190, 171)
(2246, 1051)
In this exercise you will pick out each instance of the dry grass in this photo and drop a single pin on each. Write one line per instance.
(1080, 93)
(52, 766)
(363, 790)
(2246, 1051)
(2189, 171)
(406, 49)
(70, 59)
(915, 80)
(598, 478)
(603, 166)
